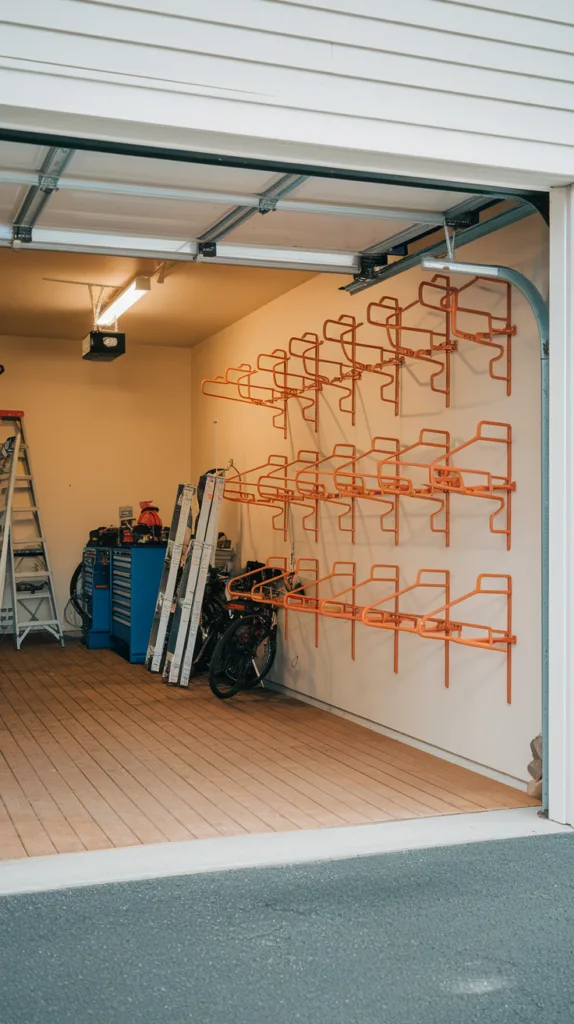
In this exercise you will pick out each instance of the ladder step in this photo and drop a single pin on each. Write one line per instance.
(37, 624)
(33, 597)
(44, 575)
(26, 508)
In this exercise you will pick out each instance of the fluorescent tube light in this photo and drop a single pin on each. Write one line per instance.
(453, 267)
(134, 291)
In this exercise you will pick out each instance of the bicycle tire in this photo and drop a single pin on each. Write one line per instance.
(232, 666)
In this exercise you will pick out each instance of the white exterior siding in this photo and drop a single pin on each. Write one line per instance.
(489, 83)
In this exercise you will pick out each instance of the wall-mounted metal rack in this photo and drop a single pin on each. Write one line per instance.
(303, 590)
(429, 470)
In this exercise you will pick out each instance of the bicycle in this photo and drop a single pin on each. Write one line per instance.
(244, 654)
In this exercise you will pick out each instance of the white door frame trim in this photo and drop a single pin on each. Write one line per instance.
(561, 578)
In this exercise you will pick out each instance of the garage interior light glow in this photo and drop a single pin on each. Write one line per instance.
(139, 287)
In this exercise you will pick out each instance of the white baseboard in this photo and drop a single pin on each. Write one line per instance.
(410, 741)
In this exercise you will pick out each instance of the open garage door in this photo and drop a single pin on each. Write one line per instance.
(235, 211)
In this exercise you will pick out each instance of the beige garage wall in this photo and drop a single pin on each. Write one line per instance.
(472, 718)
(101, 435)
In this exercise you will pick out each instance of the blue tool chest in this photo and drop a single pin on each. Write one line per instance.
(136, 575)
(96, 583)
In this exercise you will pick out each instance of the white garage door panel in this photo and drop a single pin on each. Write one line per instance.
(306, 231)
(367, 193)
(11, 197)
(166, 173)
(130, 214)
(18, 156)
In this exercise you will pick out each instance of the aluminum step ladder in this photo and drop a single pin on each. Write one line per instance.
(25, 574)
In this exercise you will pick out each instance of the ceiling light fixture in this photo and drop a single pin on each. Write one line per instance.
(139, 287)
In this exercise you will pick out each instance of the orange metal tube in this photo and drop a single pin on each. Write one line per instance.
(340, 607)
(408, 622)
(451, 631)
(300, 600)
(449, 478)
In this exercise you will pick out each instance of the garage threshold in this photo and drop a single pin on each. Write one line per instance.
(201, 856)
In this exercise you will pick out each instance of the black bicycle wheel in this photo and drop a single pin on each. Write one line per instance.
(243, 656)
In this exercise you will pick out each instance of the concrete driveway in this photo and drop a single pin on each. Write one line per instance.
(455, 935)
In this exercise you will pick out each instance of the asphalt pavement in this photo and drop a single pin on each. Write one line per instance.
(452, 935)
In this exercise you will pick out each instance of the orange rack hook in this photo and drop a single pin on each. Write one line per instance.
(409, 477)
(407, 622)
(301, 600)
(496, 327)
(439, 626)
(343, 605)
(448, 477)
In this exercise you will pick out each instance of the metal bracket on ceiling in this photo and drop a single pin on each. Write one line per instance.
(267, 204)
(208, 250)
(478, 230)
(38, 195)
(48, 183)
(462, 220)
(370, 263)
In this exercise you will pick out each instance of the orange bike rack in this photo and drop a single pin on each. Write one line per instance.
(240, 488)
(403, 482)
(301, 600)
(385, 474)
(353, 480)
(275, 590)
(343, 605)
(496, 327)
(302, 482)
(473, 634)
(450, 478)
(238, 385)
(440, 344)
(325, 372)
(364, 357)
(275, 562)
(317, 483)
(407, 622)
(279, 484)
(270, 384)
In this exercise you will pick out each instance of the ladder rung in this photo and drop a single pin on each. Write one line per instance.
(24, 476)
(26, 508)
(34, 597)
(28, 543)
(36, 624)
(43, 575)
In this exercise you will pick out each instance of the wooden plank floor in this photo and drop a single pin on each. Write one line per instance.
(97, 753)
